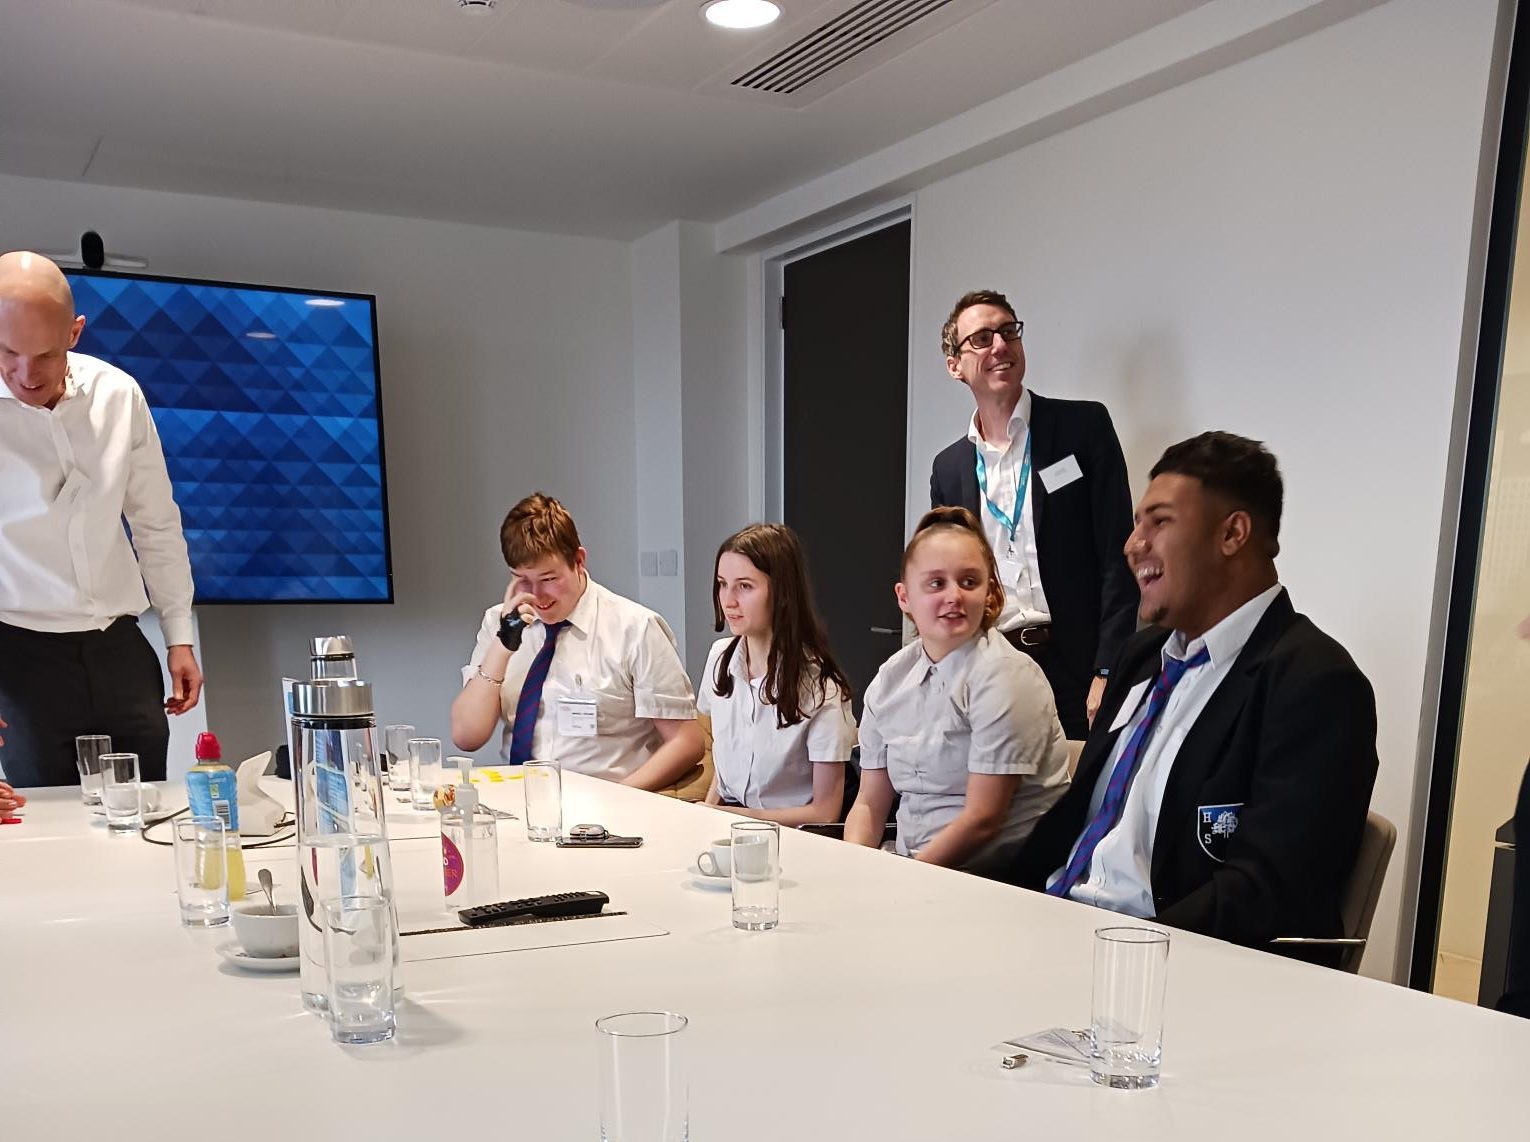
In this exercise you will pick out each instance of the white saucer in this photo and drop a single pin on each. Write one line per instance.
(711, 883)
(237, 956)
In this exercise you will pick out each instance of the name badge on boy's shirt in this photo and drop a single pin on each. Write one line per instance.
(576, 713)
(1129, 706)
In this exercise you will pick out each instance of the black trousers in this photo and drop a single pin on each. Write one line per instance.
(54, 687)
(1070, 686)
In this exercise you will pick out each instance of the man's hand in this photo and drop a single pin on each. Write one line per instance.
(1092, 703)
(9, 798)
(185, 680)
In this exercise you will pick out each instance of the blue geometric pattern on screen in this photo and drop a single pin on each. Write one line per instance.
(271, 440)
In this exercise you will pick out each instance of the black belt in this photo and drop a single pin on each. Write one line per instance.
(1029, 638)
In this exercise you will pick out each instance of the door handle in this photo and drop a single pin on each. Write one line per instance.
(885, 630)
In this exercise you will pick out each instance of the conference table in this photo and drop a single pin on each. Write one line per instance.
(875, 1010)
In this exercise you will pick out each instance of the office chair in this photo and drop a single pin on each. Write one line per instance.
(1358, 907)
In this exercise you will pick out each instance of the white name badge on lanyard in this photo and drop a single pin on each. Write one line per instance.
(1010, 569)
(576, 713)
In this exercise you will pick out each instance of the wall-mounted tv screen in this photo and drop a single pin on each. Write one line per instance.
(268, 404)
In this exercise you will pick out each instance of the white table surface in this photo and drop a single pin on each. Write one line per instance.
(872, 1012)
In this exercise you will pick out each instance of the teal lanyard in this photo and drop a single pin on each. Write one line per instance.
(1011, 526)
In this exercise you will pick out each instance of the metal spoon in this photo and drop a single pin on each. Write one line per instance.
(265, 883)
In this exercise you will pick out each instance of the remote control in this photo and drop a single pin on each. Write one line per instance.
(556, 906)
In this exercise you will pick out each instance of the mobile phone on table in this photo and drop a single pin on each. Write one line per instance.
(596, 837)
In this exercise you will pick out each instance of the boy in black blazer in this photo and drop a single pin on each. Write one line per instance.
(1232, 801)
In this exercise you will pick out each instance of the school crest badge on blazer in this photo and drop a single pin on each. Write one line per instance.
(1215, 825)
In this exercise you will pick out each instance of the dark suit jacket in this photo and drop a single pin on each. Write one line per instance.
(1080, 528)
(1290, 735)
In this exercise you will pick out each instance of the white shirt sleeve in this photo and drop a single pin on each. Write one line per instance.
(660, 688)
(488, 631)
(873, 748)
(1011, 713)
(831, 729)
(149, 506)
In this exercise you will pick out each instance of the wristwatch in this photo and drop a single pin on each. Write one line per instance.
(511, 627)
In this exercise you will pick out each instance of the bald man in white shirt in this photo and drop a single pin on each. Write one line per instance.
(79, 455)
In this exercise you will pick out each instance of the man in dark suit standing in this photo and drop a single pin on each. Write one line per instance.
(1069, 601)
(1225, 784)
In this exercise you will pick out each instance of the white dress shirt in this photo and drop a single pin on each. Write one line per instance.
(614, 650)
(983, 708)
(68, 477)
(1024, 601)
(1121, 870)
(759, 763)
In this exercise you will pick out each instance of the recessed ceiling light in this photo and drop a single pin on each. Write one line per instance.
(477, 5)
(741, 13)
(324, 302)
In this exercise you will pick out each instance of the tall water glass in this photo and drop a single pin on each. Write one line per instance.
(756, 861)
(425, 772)
(88, 751)
(329, 867)
(543, 782)
(1131, 966)
(201, 871)
(644, 1088)
(121, 792)
(396, 752)
(359, 941)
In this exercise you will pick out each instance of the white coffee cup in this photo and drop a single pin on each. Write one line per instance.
(717, 860)
(751, 858)
(263, 935)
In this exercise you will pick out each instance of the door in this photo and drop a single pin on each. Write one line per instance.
(845, 314)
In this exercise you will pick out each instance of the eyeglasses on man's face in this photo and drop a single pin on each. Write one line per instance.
(982, 338)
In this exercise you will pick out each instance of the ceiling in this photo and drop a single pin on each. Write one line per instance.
(602, 117)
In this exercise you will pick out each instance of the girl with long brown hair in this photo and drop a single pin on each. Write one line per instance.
(780, 705)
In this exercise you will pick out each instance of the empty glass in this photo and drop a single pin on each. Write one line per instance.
(755, 857)
(359, 938)
(88, 750)
(121, 792)
(543, 781)
(201, 871)
(425, 771)
(644, 1089)
(1131, 966)
(396, 753)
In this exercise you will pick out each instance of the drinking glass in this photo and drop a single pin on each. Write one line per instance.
(121, 792)
(201, 871)
(396, 751)
(644, 1091)
(88, 750)
(425, 772)
(756, 873)
(359, 938)
(1131, 966)
(543, 782)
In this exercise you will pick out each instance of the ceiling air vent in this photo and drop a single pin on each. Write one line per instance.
(847, 38)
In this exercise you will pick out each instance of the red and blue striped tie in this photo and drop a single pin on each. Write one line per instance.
(529, 704)
(1109, 813)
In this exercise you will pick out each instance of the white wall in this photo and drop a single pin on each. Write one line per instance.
(690, 316)
(1279, 249)
(506, 368)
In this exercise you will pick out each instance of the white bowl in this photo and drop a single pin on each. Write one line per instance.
(261, 934)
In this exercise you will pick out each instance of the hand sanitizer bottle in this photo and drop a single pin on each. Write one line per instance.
(469, 847)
